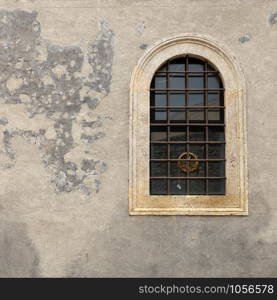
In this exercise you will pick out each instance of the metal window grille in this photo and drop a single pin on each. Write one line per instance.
(187, 129)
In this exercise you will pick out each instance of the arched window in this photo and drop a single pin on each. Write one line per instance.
(187, 138)
(188, 153)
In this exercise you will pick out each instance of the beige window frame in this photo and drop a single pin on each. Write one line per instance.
(235, 201)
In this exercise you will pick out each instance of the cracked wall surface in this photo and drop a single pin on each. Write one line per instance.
(65, 70)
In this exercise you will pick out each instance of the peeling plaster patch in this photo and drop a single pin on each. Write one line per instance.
(14, 84)
(245, 38)
(93, 167)
(50, 133)
(31, 136)
(48, 80)
(64, 177)
(24, 98)
(140, 27)
(92, 103)
(41, 51)
(8, 145)
(92, 124)
(60, 70)
(100, 57)
(272, 20)
(92, 138)
(97, 183)
(143, 46)
(88, 165)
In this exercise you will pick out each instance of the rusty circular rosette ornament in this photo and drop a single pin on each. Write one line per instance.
(185, 165)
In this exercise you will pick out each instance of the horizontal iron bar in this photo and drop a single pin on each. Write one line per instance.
(184, 72)
(193, 159)
(187, 142)
(178, 177)
(188, 89)
(187, 107)
(187, 124)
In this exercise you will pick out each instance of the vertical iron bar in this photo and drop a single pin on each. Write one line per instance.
(206, 126)
(224, 131)
(168, 130)
(187, 115)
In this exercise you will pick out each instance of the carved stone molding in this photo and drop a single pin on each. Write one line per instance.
(236, 198)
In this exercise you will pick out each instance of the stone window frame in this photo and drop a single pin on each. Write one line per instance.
(235, 201)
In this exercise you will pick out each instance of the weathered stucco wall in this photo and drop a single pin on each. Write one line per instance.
(65, 69)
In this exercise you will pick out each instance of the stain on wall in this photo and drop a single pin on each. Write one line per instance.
(49, 80)
(245, 38)
(143, 46)
(18, 255)
(3, 121)
(272, 20)
(194, 247)
(140, 27)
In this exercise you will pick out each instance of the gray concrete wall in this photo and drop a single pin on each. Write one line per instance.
(65, 68)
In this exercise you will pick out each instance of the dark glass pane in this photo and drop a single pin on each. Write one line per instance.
(177, 149)
(175, 171)
(216, 186)
(158, 133)
(158, 169)
(216, 133)
(196, 186)
(158, 151)
(195, 82)
(152, 86)
(210, 68)
(198, 150)
(177, 116)
(200, 171)
(196, 133)
(196, 65)
(177, 65)
(178, 133)
(176, 99)
(216, 116)
(158, 116)
(177, 81)
(158, 186)
(215, 99)
(196, 116)
(216, 168)
(162, 68)
(216, 151)
(178, 187)
(213, 82)
(158, 99)
(195, 99)
(159, 82)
